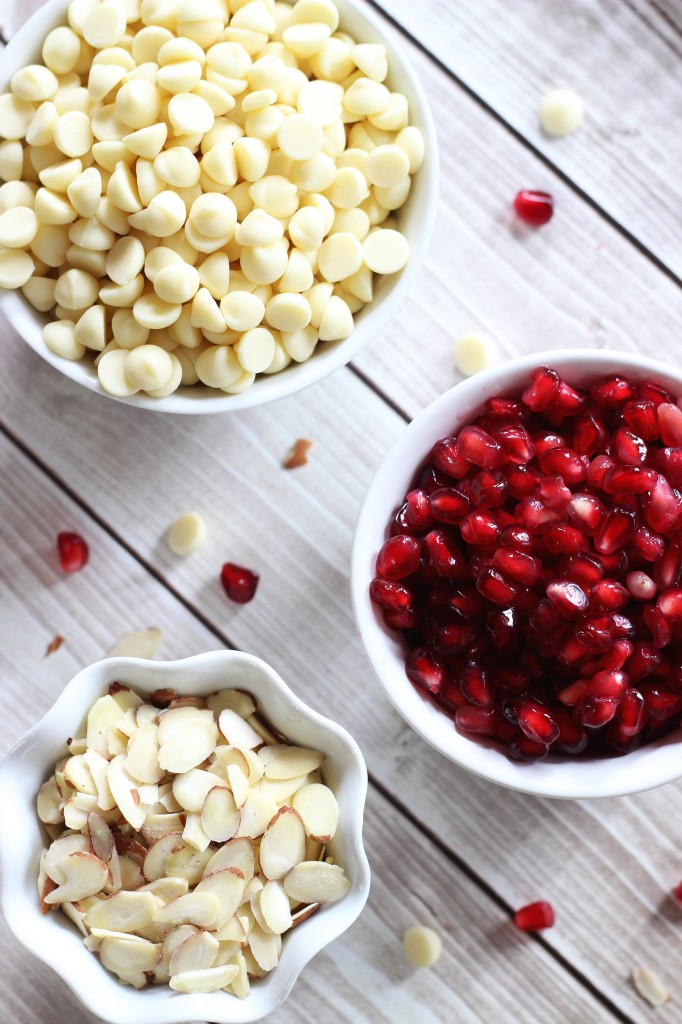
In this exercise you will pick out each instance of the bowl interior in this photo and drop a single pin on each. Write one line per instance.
(649, 766)
(55, 940)
(415, 218)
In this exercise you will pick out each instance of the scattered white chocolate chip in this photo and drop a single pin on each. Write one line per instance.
(422, 945)
(474, 353)
(561, 112)
(187, 534)
(649, 986)
(142, 797)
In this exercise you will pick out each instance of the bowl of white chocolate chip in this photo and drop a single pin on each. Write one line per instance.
(212, 204)
(185, 837)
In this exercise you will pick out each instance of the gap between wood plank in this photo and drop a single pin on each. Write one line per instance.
(652, 27)
(620, 228)
(382, 790)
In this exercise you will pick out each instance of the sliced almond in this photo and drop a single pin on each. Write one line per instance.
(188, 863)
(128, 724)
(124, 912)
(141, 643)
(283, 843)
(304, 913)
(191, 788)
(131, 873)
(187, 745)
(162, 698)
(101, 839)
(227, 953)
(256, 768)
(149, 795)
(57, 853)
(265, 948)
(227, 886)
(123, 788)
(231, 932)
(118, 743)
(274, 906)
(293, 762)
(115, 880)
(319, 810)
(138, 980)
(187, 702)
(220, 815)
(196, 953)
(237, 731)
(199, 908)
(154, 866)
(267, 735)
(130, 846)
(224, 756)
(210, 980)
(239, 701)
(237, 853)
(175, 721)
(167, 800)
(158, 825)
(142, 761)
(99, 766)
(193, 833)
(269, 752)
(166, 889)
(252, 887)
(74, 914)
(174, 939)
(77, 745)
(124, 696)
(84, 875)
(316, 882)
(50, 804)
(253, 968)
(76, 811)
(256, 813)
(77, 772)
(239, 784)
(102, 719)
(146, 714)
(282, 790)
(129, 956)
(240, 983)
(649, 986)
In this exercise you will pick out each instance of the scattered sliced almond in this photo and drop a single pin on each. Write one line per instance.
(283, 844)
(191, 788)
(255, 815)
(129, 956)
(166, 889)
(102, 719)
(84, 875)
(237, 731)
(101, 838)
(194, 834)
(293, 762)
(210, 980)
(154, 866)
(319, 811)
(188, 863)
(158, 825)
(265, 948)
(220, 815)
(199, 908)
(54, 645)
(237, 853)
(142, 760)
(173, 940)
(316, 882)
(141, 643)
(649, 986)
(50, 804)
(239, 701)
(227, 886)
(239, 784)
(123, 912)
(196, 953)
(298, 456)
(275, 908)
(124, 789)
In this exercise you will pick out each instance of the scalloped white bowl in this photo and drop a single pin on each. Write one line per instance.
(416, 220)
(54, 940)
(563, 777)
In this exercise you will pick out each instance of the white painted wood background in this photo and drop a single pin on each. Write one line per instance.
(445, 847)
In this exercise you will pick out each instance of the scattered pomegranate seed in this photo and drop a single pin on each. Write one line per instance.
(73, 552)
(535, 569)
(533, 207)
(239, 583)
(534, 917)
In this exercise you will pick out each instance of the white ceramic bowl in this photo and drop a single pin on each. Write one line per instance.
(651, 765)
(416, 220)
(53, 939)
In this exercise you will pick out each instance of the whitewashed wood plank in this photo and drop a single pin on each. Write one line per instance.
(627, 153)
(574, 283)
(363, 976)
(137, 470)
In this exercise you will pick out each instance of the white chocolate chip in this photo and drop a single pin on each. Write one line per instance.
(474, 353)
(187, 534)
(422, 945)
(386, 251)
(561, 112)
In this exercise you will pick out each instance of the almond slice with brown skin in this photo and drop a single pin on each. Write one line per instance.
(129, 956)
(190, 746)
(211, 980)
(74, 914)
(124, 912)
(84, 875)
(267, 735)
(77, 772)
(220, 815)
(59, 850)
(101, 839)
(240, 983)
(293, 762)
(282, 790)
(274, 906)
(196, 953)
(224, 756)
(239, 701)
(304, 913)
(237, 853)
(255, 815)
(265, 948)
(141, 643)
(194, 834)
(283, 844)
(123, 789)
(188, 863)
(166, 889)
(237, 731)
(50, 805)
(316, 882)
(154, 865)
(142, 760)
(174, 939)
(191, 788)
(231, 932)
(103, 717)
(124, 696)
(319, 810)
(99, 767)
(199, 908)
(158, 825)
(227, 886)
(239, 784)
(146, 714)
(131, 873)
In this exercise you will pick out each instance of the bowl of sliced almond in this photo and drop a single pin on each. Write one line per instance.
(186, 837)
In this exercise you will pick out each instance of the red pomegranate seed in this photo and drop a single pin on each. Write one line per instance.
(587, 512)
(568, 598)
(448, 505)
(520, 567)
(553, 492)
(583, 569)
(493, 586)
(475, 686)
(669, 462)
(518, 538)
(628, 448)
(667, 572)
(649, 545)
(537, 722)
(489, 488)
(574, 693)
(479, 448)
(593, 713)
(616, 530)
(641, 416)
(641, 586)
(543, 387)
(446, 458)
(479, 528)
(522, 481)
(597, 470)
(452, 639)
(670, 603)
(618, 654)
(629, 480)
(595, 632)
(532, 514)
(568, 401)
(612, 392)
(517, 443)
(663, 508)
(608, 685)
(425, 669)
(73, 552)
(533, 207)
(544, 442)
(632, 712)
(564, 462)
(479, 721)
(560, 538)
(534, 917)
(505, 409)
(608, 596)
(443, 555)
(644, 660)
(661, 704)
(677, 893)
(388, 593)
(418, 515)
(398, 557)
(406, 619)
(670, 423)
(240, 584)
(503, 628)
(572, 739)
(590, 434)
(658, 625)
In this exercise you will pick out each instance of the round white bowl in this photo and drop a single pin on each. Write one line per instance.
(563, 777)
(53, 939)
(416, 220)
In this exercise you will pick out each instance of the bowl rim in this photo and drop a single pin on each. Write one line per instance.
(370, 321)
(650, 766)
(75, 699)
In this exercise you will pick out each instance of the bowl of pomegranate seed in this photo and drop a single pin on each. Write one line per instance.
(248, 841)
(517, 574)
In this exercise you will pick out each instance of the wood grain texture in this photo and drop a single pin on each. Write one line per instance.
(626, 155)
(363, 975)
